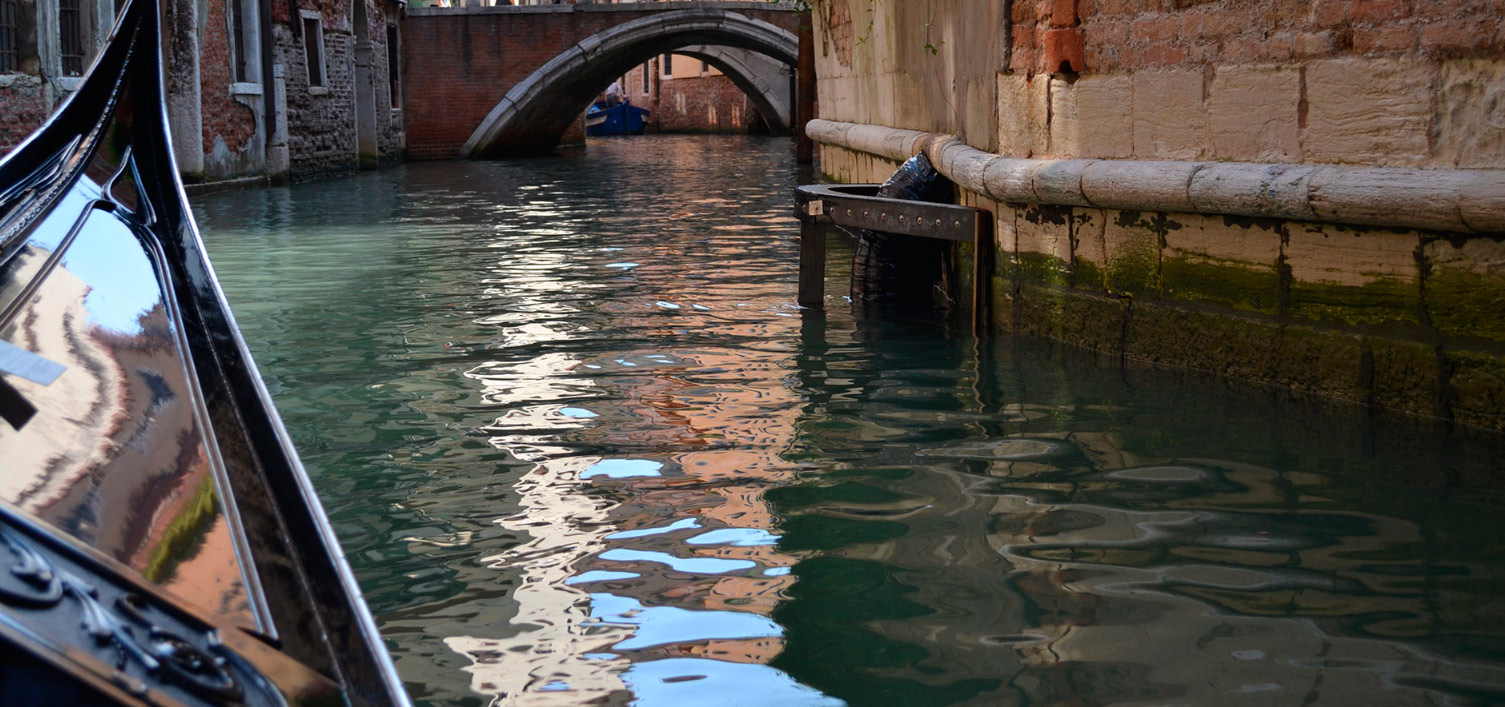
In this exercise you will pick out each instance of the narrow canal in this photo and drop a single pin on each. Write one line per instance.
(581, 447)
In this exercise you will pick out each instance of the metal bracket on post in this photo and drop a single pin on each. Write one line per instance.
(858, 206)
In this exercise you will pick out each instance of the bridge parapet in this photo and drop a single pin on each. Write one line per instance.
(625, 7)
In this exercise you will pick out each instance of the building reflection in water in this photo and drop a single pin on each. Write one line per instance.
(590, 447)
(651, 566)
(115, 453)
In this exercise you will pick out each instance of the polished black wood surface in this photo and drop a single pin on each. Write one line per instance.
(92, 213)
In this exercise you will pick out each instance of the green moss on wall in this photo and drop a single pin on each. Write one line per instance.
(1043, 269)
(1404, 375)
(1324, 362)
(1128, 295)
(1088, 277)
(1132, 244)
(1380, 301)
(1476, 389)
(1244, 286)
(1466, 303)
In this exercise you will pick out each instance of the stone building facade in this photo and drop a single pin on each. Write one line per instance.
(45, 46)
(257, 89)
(1306, 193)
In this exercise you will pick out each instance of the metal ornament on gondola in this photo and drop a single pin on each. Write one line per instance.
(159, 541)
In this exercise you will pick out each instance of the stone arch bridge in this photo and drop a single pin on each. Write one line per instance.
(510, 80)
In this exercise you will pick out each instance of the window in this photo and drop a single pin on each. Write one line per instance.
(10, 36)
(705, 68)
(394, 69)
(647, 69)
(667, 61)
(245, 45)
(237, 41)
(71, 36)
(313, 48)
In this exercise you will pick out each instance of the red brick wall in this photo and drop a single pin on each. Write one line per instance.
(224, 118)
(1123, 35)
(681, 104)
(702, 104)
(459, 66)
(23, 106)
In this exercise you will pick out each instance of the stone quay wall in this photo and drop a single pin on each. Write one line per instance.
(1304, 194)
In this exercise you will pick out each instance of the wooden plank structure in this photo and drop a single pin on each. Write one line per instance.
(858, 206)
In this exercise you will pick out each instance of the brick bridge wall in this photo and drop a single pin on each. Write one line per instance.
(460, 62)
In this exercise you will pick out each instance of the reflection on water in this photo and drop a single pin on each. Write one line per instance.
(582, 447)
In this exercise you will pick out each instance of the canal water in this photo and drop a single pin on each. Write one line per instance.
(582, 448)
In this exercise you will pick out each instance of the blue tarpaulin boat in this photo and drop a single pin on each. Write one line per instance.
(620, 119)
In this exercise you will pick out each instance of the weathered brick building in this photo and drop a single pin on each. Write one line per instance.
(688, 95)
(1308, 193)
(256, 89)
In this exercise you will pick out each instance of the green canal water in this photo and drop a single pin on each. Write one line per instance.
(582, 448)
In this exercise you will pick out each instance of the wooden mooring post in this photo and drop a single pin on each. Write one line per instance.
(858, 206)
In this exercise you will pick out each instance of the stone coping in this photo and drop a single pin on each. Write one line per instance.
(601, 7)
(1459, 200)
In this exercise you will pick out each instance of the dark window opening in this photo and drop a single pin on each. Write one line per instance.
(10, 35)
(313, 50)
(647, 69)
(705, 67)
(668, 64)
(394, 68)
(71, 36)
(237, 40)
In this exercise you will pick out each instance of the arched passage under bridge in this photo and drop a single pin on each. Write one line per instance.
(497, 81)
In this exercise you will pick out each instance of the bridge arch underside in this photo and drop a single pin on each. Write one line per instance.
(534, 114)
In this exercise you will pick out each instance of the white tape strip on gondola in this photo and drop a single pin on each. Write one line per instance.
(16, 361)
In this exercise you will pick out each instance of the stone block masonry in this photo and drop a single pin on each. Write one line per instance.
(1115, 257)
(262, 119)
(1304, 194)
